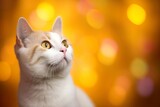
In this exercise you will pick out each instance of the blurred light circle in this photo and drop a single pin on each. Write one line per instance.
(136, 14)
(36, 22)
(139, 68)
(85, 74)
(95, 19)
(108, 51)
(88, 77)
(145, 87)
(45, 11)
(117, 95)
(83, 6)
(124, 82)
(109, 48)
(5, 72)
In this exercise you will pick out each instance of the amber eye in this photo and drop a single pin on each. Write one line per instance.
(46, 44)
(64, 42)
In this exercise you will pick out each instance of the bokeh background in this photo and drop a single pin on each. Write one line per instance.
(116, 47)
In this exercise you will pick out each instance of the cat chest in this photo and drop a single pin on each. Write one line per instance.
(48, 98)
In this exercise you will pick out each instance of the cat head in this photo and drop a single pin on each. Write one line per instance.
(43, 55)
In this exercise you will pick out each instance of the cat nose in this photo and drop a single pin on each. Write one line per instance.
(63, 50)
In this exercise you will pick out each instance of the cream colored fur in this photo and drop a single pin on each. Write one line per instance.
(45, 79)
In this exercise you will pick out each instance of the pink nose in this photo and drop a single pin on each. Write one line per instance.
(63, 50)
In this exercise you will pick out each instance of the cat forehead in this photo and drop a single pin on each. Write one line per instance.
(39, 36)
(53, 36)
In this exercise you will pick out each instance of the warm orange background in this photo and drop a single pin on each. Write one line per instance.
(116, 47)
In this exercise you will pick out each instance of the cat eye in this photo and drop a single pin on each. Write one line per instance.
(46, 44)
(64, 42)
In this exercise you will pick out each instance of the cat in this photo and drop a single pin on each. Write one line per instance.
(45, 59)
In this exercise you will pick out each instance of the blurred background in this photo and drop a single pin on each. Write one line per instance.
(116, 47)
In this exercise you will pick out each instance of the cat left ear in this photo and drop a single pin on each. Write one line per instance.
(23, 30)
(57, 26)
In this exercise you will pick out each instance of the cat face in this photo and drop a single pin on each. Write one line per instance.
(42, 54)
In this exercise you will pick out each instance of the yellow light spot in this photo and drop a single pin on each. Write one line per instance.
(95, 19)
(117, 96)
(105, 60)
(84, 70)
(45, 11)
(5, 72)
(139, 68)
(87, 77)
(136, 14)
(36, 22)
(108, 52)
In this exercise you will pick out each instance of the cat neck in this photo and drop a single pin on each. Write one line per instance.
(31, 79)
(54, 81)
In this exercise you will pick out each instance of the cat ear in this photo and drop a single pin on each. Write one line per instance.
(23, 28)
(57, 26)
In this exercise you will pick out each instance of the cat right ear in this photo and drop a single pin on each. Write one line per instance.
(57, 26)
(23, 30)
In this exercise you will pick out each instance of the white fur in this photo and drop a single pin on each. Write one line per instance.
(46, 82)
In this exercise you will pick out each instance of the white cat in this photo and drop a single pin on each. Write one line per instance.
(45, 60)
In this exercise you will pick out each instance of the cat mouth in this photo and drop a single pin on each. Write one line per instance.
(64, 60)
